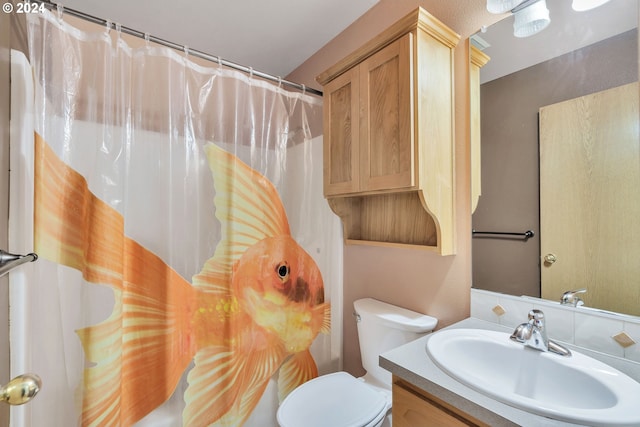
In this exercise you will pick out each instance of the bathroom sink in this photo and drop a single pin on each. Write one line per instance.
(577, 389)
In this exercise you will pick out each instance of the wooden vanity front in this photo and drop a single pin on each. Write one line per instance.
(414, 407)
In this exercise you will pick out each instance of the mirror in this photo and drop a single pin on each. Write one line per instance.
(579, 53)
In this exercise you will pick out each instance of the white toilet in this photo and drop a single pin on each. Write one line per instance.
(341, 400)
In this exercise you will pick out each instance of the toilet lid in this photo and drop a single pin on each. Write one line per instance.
(337, 400)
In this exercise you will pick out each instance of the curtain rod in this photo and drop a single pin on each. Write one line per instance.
(248, 70)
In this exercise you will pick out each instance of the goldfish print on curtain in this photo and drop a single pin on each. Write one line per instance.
(253, 310)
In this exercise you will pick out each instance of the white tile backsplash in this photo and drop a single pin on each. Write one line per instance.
(596, 333)
(482, 304)
(584, 327)
(516, 311)
(560, 323)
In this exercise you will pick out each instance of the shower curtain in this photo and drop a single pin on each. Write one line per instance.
(188, 264)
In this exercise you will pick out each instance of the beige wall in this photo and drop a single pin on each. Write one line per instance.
(414, 279)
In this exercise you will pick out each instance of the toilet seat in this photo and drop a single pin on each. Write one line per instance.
(337, 400)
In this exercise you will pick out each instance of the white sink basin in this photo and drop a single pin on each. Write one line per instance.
(577, 389)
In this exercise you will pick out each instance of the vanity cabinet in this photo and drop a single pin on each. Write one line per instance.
(414, 407)
(388, 137)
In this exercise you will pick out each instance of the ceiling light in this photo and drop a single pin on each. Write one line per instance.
(582, 5)
(501, 6)
(531, 20)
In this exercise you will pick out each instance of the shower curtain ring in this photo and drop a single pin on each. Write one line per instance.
(186, 50)
(146, 38)
(107, 24)
(59, 10)
(250, 72)
(304, 89)
(279, 81)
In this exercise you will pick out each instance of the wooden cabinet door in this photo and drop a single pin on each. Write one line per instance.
(590, 198)
(387, 151)
(410, 409)
(341, 134)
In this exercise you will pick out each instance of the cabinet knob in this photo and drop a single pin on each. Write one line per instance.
(550, 259)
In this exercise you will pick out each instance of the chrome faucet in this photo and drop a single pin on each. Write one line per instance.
(570, 298)
(534, 334)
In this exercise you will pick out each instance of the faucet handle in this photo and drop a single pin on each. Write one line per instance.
(522, 333)
(536, 318)
(570, 298)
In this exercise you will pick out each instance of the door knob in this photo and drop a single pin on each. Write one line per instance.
(550, 259)
(21, 389)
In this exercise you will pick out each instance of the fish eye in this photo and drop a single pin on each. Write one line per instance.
(283, 271)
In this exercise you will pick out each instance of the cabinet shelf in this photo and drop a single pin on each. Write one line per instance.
(395, 219)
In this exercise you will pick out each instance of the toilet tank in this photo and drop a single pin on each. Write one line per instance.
(382, 327)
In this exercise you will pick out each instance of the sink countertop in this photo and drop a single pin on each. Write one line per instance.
(412, 363)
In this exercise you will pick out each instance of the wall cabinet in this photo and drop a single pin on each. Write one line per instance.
(414, 407)
(368, 111)
(388, 137)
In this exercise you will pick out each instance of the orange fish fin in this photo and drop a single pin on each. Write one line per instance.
(249, 210)
(213, 385)
(240, 413)
(326, 324)
(245, 199)
(73, 227)
(260, 367)
(145, 344)
(100, 395)
(297, 370)
(157, 336)
(323, 312)
(215, 275)
(225, 386)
